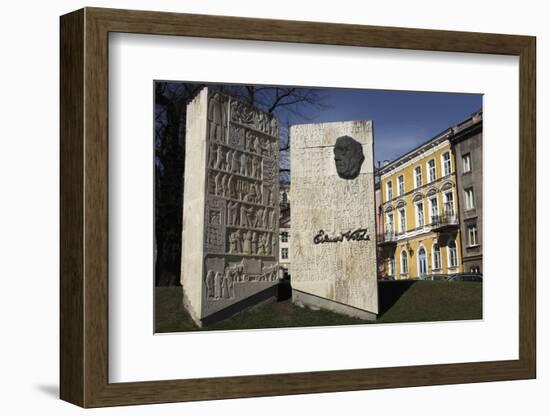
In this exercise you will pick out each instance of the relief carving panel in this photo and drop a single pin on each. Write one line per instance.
(241, 227)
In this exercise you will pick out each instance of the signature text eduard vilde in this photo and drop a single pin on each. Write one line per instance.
(356, 235)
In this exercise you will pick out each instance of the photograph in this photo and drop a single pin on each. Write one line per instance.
(346, 199)
(283, 206)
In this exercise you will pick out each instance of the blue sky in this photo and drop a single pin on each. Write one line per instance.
(402, 119)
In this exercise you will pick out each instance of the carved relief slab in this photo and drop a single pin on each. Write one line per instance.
(240, 190)
(236, 136)
(270, 171)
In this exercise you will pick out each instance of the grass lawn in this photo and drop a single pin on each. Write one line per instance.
(400, 301)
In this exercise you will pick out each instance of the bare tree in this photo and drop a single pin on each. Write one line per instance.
(171, 100)
(289, 104)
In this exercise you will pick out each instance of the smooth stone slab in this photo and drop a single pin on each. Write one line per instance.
(316, 303)
(333, 246)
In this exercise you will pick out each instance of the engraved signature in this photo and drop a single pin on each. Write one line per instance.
(357, 235)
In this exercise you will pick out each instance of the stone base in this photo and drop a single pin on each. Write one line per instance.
(315, 302)
(261, 298)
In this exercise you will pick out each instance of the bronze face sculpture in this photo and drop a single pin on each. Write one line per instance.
(348, 157)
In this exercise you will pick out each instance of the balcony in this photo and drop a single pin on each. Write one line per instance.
(388, 238)
(445, 222)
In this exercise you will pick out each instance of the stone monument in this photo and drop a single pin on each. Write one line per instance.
(333, 243)
(230, 207)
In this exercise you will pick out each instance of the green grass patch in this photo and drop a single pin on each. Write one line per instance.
(421, 301)
(400, 301)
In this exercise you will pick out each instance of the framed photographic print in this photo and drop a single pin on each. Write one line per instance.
(255, 207)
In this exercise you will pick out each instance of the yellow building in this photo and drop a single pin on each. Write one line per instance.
(419, 213)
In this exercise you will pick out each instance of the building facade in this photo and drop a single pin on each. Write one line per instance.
(467, 149)
(284, 231)
(284, 242)
(379, 223)
(420, 235)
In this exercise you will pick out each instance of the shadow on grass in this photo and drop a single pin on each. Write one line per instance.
(400, 301)
(390, 291)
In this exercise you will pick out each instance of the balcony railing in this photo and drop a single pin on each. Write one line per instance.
(388, 237)
(444, 222)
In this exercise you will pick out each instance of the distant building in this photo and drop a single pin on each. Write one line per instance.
(284, 241)
(284, 229)
(467, 148)
(379, 222)
(420, 236)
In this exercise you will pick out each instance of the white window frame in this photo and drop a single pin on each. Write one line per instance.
(429, 171)
(284, 236)
(469, 197)
(418, 260)
(446, 201)
(404, 262)
(418, 176)
(472, 231)
(431, 178)
(436, 267)
(391, 266)
(402, 217)
(283, 251)
(444, 164)
(433, 212)
(400, 185)
(389, 190)
(449, 257)
(466, 163)
(420, 220)
(389, 223)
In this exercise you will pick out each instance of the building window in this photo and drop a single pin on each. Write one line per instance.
(475, 269)
(466, 163)
(422, 263)
(401, 185)
(420, 214)
(417, 177)
(449, 204)
(453, 259)
(404, 263)
(472, 235)
(431, 170)
(284, 237)
(433, 208)
(446, 163)
(389, 222)
(391, 266)
(402, 220)
(389, 191)
(284, 253)
(436, 257)
(469, 197)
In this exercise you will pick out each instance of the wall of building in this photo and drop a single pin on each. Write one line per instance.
(412, 248)
(472, 255)
(284, 248)
(422, 228)
(284, 230)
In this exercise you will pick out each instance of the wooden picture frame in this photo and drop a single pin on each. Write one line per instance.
(84, 207)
